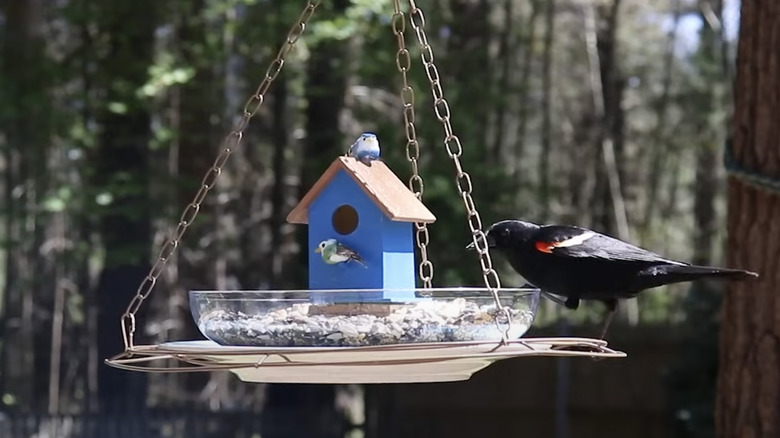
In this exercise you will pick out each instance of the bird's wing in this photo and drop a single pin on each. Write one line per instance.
(349, 253)
(345, 251)
(575, 242)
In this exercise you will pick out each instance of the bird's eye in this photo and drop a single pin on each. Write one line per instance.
(322, 245)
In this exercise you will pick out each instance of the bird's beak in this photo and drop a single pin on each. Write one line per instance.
(317, 250)
(490, 243)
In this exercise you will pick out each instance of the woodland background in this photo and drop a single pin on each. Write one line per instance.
(610, 114)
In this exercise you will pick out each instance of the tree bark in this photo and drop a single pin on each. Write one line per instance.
(502, 84)
(191, 154)
(748, 402)
(196, 151)
(281, 145)
(608, 86)
(121, 162)
(659, 155)
(26, 120)
(326, 80)
(707, 176)
(546, 140)
(518, 151)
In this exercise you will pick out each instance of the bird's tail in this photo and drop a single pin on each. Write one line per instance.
(690, 272)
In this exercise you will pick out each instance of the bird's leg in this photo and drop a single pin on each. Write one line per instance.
(611, 308)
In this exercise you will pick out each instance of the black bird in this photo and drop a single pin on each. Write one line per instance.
(581, 264)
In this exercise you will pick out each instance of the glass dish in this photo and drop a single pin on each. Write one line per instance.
(351, 318)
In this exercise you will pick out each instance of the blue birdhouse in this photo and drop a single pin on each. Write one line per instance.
(366, 208)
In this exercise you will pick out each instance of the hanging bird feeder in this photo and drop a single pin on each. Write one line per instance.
(362, 320)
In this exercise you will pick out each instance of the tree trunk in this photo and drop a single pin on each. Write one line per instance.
(197, 147)
(281, 145)
(502, 85)
(122, 171)
(690, 381)
(26, 119)
(659, 155)
(546, 143)
(608, 86)
(518, 151)
(325, 93)
(471, 32)
(87, 223)
(748, 402)
(190, 155)
(707, 177)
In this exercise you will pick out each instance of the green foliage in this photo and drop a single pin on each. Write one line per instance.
(164, 75)
(362, 17)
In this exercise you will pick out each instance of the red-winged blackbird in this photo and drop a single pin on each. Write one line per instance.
(581, 264)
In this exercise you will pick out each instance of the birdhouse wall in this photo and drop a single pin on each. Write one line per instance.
(398, 268)
(386, 246)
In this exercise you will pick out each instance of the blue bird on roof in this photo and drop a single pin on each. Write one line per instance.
(365, 148)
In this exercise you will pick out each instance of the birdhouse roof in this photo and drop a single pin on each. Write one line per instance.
(378, 182)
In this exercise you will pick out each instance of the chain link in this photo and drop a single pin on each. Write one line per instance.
(403, 62)
(232, 140)
(454, 149)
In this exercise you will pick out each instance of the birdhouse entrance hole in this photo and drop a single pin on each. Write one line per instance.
(345, 219)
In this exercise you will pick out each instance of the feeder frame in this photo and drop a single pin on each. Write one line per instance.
(139, 358)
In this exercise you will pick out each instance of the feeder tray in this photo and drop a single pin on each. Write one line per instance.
(400, 363)
(336, 332)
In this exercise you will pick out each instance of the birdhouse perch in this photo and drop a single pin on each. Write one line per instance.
(365, 207)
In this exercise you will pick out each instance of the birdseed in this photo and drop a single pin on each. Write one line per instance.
(300, 325)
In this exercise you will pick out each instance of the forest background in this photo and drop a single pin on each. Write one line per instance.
(609, 114)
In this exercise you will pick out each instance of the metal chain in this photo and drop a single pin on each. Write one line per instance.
(231, 141)
(454, 149)
(403, 62)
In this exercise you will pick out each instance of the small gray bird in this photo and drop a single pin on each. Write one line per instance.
(334, 252)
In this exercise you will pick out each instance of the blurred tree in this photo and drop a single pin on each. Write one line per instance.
(749, 377)
(692, 395)
(546, 134)
(123, 105)
(25, 83)
(122, 176)
(326, 79)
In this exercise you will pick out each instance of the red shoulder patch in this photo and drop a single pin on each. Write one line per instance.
(545, 247)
